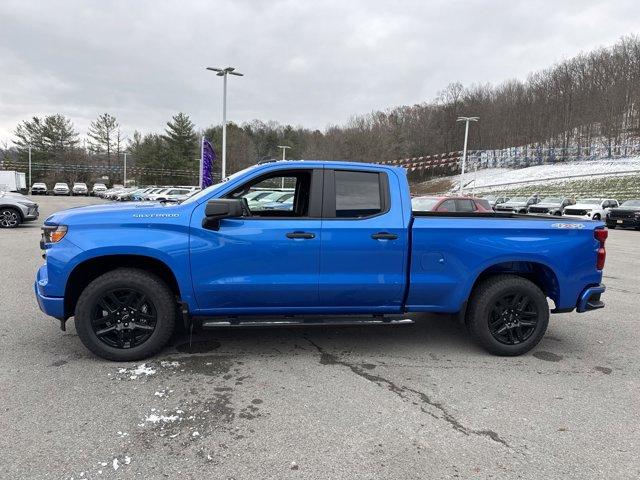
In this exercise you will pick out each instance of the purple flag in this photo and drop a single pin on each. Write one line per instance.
(206, 164)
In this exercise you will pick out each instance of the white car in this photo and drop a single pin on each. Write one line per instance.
(61, 189)
(171, 194)
(590, 208)
(80, 188)
(39, 188)
(98, 189)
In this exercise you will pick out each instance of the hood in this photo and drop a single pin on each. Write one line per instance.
(115, 213)
(584, 206)
(547, 205)
(627, 209)
(512, 204)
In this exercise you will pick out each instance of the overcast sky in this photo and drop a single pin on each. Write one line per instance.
(305, 63)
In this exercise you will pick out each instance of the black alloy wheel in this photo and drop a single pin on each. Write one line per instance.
(513, 318)
(124, 318)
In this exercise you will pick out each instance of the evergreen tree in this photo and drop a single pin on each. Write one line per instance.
(103, 134)
(182, 139)
(51, 135)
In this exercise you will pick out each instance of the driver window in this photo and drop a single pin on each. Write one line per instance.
(280, 194)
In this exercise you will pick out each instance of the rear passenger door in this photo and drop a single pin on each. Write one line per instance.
(364, 242)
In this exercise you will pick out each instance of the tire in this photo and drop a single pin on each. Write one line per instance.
(91, 308)
(611, 227)
(493, 295)
(10, 217)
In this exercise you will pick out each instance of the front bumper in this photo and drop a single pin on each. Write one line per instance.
(32, 213)
(589, 299)
(52, 306)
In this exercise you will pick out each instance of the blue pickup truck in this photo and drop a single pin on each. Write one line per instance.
(349, 246)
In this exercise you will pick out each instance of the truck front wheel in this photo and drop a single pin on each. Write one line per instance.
(508, 315)
(126, 314)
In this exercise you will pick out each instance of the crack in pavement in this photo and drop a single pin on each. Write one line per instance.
(401, 391)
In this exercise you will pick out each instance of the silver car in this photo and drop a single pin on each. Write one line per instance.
(15, 209)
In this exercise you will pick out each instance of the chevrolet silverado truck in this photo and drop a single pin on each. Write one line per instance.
(349, 247)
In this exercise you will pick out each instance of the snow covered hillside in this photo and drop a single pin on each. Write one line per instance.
(540, 176)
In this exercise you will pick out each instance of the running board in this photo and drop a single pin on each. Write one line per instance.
(326, 321)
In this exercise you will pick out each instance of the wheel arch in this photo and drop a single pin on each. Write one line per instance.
(14, 208)
(90, 269)
(540, 274)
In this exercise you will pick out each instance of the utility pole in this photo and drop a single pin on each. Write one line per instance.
(464, 151)
(223, 72)
(30, 184)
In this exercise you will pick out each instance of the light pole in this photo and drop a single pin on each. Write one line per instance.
(284, 150)
(30, 184)
(124, 176)
(284, 157)
(223, 72)
(464, 151)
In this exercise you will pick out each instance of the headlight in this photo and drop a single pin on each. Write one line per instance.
(53, 233)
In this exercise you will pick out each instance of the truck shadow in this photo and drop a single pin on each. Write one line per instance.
(438, 333)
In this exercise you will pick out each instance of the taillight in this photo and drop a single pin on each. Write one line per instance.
(601, 235)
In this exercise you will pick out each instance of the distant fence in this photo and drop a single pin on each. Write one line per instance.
(430, 166)
(70, 172)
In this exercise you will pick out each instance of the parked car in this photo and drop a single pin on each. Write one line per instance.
(111, 193)
(258, 203)
(551, 206)
(518, 204)
(61, 189)
(284, 202)
(172, 194)
(590, 208)
(450, 204)
(352, 245)
(626, 215)
(16, 209)
(39, 188)
(495, 200)
(124, 195)
(153, 191)
(98, 189)
(80, 188)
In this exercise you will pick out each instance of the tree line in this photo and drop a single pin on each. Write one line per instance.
(591, 98)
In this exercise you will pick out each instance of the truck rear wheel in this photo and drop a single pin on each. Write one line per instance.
(125, 315)
(508, 315)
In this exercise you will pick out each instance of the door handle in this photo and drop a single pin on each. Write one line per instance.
(306, 235)
(384, 236)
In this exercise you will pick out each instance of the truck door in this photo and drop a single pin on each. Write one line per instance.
(364, 242)
(267, 262)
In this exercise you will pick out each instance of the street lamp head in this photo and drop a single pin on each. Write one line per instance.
(284, 146)
(467, 119)
(223, 71)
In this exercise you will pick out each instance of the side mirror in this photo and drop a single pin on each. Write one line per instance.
(220, 208)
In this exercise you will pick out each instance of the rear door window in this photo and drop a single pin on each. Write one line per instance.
(358, 194)
(464, 205)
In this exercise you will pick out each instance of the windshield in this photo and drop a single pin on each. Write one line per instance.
(631, 203)
(208, 190)
(424, 204)
(590, 201)
(552, 200)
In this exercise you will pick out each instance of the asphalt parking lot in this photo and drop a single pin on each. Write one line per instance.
(411, 401)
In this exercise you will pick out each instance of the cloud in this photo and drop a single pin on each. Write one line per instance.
(307, 63)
